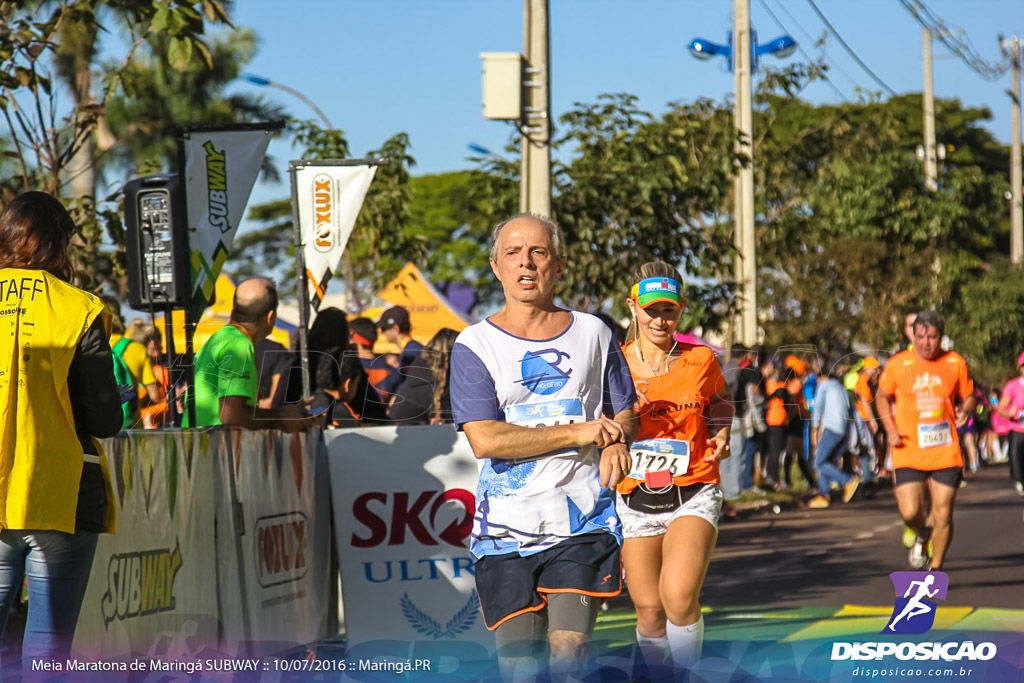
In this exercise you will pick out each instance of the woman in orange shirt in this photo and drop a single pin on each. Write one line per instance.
(670, 503)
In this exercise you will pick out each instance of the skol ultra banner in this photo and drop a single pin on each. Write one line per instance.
(329, 198)
(277, 519)
(220, 169)
(403, 512)
(152, 591)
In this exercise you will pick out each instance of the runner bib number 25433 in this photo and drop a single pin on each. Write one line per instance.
(934, 435)
(659, 455)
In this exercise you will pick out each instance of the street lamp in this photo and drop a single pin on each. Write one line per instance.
(742, 61)
(484, 151)
(267, 83)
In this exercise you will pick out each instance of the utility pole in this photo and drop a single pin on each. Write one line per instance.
(535, 176)
(1016, 213)
(931, 164)
(746, 268)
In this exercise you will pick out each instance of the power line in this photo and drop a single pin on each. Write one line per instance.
(849, 49)
(956, 41)
(840, 69)
(802, 50)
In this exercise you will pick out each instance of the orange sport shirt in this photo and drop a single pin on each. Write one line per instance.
(776, 415)
(923, 393)
(864, 397)
(676, 409)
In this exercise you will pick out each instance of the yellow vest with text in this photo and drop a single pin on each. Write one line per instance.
(42, 319)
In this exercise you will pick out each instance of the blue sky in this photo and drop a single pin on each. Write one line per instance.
(383, 66)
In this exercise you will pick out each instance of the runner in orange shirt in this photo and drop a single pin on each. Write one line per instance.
(671, 502)
(915, 400)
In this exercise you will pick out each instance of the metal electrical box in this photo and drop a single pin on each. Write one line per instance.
(503, 85)
(156, 242)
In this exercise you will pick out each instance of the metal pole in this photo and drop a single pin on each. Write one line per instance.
(303, 284)
(931, 164)
(535, 181)
(741, 56)
(1016, 212)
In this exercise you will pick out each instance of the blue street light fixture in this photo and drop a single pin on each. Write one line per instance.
(704, 49)
(267, 83)
(742, 64)
(484, 151)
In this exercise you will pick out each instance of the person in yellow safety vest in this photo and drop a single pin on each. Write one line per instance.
(57, 397)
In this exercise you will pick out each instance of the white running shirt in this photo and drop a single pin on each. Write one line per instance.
(531, 504)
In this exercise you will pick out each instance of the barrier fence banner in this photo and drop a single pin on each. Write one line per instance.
(152, 588)
(403, 511)
(275, 553)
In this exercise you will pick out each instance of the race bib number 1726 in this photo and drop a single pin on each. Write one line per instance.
(658, 455)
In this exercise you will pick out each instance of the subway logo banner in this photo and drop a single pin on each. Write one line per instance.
(329, 197)
(220, 168)
(153, 590)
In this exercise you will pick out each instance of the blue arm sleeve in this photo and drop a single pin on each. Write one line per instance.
(472, 388)
(619, 390)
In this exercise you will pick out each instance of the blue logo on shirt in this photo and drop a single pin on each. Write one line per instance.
(541, 373)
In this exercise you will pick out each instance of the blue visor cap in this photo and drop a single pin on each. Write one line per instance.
(655, 289)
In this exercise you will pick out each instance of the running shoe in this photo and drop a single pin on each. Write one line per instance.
(908, 537)
(1019, 487)
(918, 557)
(818, 503)
(851, 488)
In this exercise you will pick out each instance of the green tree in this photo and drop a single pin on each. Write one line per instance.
(986, 322)
(46, 145)
(848, 237)
(380, 243)
(637, 189)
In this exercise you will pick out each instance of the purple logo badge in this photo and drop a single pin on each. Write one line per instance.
(914, 610)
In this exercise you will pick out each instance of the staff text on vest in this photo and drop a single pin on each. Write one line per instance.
(18, 288)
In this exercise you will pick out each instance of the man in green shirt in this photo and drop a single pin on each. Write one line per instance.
(226, 380)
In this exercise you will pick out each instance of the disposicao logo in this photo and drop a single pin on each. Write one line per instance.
(913, 613)
(914, 610)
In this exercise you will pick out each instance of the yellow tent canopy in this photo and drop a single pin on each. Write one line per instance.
(215, 317)
(429, 310)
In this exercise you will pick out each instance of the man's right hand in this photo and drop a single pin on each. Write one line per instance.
(896, 439)
(602, 432)
(293, 418)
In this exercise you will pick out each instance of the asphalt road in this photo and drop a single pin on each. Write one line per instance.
(844, 554)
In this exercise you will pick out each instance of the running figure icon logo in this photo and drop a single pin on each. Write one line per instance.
(914, 610)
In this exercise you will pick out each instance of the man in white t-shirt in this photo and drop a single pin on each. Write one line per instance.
(546, 400)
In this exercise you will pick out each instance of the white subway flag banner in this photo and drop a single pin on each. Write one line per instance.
(220, 170)
(329, 199)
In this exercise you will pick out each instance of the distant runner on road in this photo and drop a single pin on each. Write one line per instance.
(915, 401)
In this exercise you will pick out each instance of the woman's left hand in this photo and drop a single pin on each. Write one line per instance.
(720, 449)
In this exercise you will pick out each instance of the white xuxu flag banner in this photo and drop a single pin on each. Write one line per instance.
(329, 199)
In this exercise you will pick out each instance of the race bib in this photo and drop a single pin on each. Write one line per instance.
(559, 411)
(659, 455)
(934, 435)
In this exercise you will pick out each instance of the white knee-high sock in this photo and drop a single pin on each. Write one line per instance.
(654, 650)
(685, 642)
